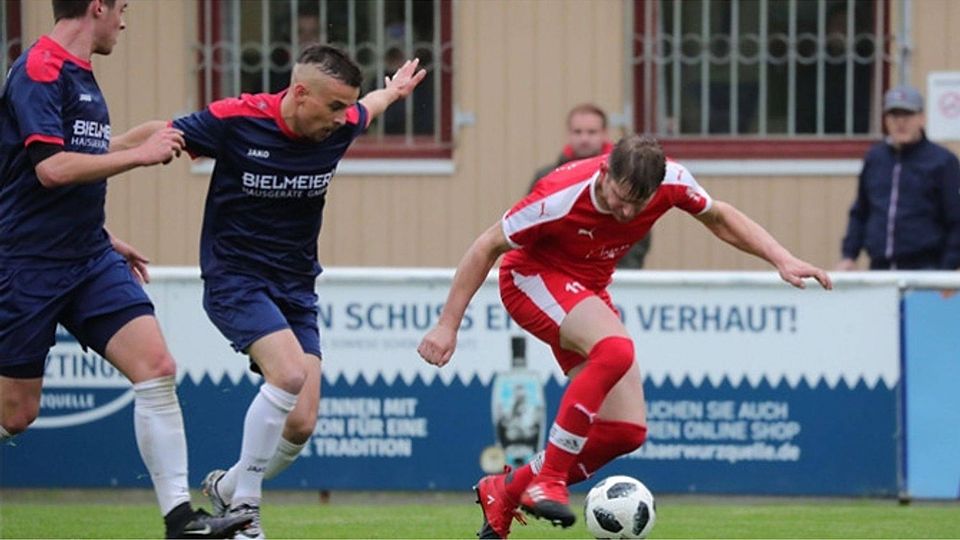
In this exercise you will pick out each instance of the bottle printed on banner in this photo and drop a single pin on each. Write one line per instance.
(518, 408)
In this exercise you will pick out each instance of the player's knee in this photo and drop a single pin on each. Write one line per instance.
(18, 422)
(290, 378)
(161, 364)
(613, 356)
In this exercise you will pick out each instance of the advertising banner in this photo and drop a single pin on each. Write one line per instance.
(751, 387)
(932, 350)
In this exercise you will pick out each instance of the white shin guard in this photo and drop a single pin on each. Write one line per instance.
(158, 424)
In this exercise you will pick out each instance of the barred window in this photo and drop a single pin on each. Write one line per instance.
(807, 75)
(251, 46)
(9, 35)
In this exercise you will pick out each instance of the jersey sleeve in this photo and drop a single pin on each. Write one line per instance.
(37, 107)
(686, 194)
(530, 218)
(357, 119)
(202, 131)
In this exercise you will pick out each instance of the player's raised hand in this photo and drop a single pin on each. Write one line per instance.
(438, 345)
(406, 78)
(162, 146)
(793, 271)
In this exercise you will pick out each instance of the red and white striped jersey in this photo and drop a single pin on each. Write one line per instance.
(560, 226)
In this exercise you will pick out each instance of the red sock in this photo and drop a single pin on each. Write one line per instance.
(518, 480)
(607, 441)
(609, 359)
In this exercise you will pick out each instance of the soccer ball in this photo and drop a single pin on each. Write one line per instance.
(620, 507)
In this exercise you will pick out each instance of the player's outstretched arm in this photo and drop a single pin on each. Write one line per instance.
(136, 136)
(66, 168)
(735, 228)
(399, 86)
(438, 345)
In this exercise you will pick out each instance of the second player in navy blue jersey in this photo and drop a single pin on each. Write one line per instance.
(276, 155)
(59, 265)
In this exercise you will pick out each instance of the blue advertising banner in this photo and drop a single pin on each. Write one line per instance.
(751, 388)
(932, 350)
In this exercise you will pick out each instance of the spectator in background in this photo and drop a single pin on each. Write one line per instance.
(907, 211)
(282, 55)
(587, 137)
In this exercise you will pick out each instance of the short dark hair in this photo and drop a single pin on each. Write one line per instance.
(638, 163)
(73, 9)
(587, 108)
(333, 62)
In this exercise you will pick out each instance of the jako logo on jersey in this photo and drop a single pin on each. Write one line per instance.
(256, 152)
(86, 98)
(79, 386)
(586, 232)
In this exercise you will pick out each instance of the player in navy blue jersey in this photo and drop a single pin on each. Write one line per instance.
(276, 155)
(59, 265)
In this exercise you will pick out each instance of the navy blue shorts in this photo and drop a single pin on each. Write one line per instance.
(92, 300)
(245, 308)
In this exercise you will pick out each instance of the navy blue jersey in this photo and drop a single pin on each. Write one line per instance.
(52, 97)
(265, 202)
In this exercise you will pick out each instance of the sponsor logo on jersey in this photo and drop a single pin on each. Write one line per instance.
(258, 153)
(90, 134)
(283, 186)
(86, 98)
(607, 252)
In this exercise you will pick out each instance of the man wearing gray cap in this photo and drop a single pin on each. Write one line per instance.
(907, 211)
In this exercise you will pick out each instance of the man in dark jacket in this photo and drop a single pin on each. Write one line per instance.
(587, 137)
(907, 211)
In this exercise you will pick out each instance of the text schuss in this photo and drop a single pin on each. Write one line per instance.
(274, 181)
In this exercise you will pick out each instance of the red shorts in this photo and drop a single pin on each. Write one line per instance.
(538, 300)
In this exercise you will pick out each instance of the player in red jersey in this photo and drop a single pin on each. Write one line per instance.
(561, 243)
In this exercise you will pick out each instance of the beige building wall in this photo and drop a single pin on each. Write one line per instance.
(519, 65)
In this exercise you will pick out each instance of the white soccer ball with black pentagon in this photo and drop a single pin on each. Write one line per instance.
(620, 507)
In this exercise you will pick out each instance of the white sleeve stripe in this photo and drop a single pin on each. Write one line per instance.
(506, 233)
(550, 208)
(537, 291)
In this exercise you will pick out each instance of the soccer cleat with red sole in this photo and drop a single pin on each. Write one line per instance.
(499, 510)
(549, 500)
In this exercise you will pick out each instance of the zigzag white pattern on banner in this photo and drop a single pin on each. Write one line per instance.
(375, 318)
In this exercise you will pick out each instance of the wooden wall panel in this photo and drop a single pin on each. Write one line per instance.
(807, 215)
(519, 66)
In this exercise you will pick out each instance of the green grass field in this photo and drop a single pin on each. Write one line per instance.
(455, 516)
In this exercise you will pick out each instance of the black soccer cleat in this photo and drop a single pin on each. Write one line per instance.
(201, 524)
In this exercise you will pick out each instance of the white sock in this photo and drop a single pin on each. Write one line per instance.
(4, 435)
(158, 424)
(286, 453)
(283, 457)
(262, 428)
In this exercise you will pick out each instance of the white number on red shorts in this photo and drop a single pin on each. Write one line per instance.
(574, 287)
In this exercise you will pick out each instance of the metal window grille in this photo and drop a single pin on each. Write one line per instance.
(759, 68)
(9, 35)
(252, 45)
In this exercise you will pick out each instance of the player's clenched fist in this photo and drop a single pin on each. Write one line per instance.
(438, 345)
(162, 146)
